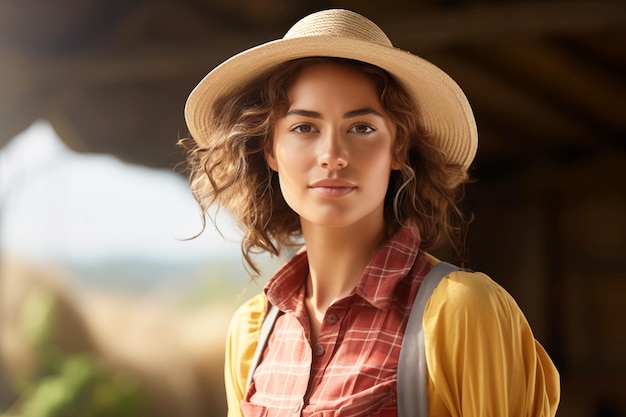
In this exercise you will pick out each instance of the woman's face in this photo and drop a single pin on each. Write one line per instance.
(332, 150)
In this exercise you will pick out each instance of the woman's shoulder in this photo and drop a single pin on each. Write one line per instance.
(467, 288)
(475, 299)
(470, 288)
(249, 316)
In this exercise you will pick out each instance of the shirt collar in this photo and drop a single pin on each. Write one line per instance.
(388, 266)
(284, 288)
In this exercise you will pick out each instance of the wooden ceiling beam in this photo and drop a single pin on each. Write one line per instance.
(570, 81)
(503, 22)
(435, 30)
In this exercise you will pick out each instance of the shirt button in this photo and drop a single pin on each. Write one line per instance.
(319, 350)
(332, 319)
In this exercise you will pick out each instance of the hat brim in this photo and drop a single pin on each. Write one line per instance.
(443, 108)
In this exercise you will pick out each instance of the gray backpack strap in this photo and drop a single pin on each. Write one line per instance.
(412, 386)
(264, 334)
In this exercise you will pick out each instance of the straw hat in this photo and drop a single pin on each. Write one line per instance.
(443, 108)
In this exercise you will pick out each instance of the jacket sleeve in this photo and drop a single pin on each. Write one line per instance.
(241, 341)
(482, 357)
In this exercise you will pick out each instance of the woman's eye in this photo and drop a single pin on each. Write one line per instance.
(304, 128)
(362, 129)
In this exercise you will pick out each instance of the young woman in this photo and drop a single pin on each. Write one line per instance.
(333, 138)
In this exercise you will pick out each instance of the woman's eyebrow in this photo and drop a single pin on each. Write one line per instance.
(305, 113)
(316, 115)
(361, 112)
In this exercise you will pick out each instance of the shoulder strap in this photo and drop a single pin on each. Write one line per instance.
(264, 334)
(412, 368)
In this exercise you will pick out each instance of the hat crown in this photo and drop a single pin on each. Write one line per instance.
(338, 23)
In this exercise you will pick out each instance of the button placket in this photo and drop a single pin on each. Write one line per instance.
(329, 335)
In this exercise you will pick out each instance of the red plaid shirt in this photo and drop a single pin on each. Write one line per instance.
(351, 371)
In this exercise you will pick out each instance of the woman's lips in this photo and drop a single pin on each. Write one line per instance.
(333, 187)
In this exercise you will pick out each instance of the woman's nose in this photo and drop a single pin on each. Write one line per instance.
(332, 155)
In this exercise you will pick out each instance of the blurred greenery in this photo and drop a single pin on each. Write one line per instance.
(67, 385)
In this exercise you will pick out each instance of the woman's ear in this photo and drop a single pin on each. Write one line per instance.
(268, 151)
(398, 159)
(395, 164)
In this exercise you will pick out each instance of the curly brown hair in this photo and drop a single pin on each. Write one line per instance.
(229, 168)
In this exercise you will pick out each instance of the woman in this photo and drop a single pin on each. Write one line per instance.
(333, 138)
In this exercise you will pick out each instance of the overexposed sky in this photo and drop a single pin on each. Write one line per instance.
(56, 204)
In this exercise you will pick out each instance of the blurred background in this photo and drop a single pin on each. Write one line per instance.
(107, 309)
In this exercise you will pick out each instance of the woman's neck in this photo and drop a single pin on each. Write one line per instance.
(337, 258)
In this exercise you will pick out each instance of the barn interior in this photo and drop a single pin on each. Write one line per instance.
(545, 80)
